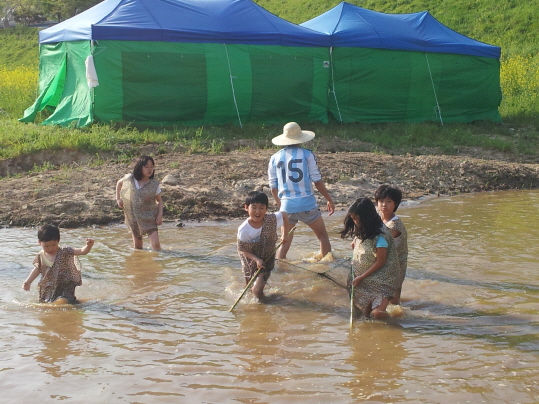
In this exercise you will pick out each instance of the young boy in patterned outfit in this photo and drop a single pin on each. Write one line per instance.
(256, 240)
(59, 267)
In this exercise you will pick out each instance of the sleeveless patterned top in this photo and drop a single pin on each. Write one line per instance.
(263, 249)
(365, 255)
(60, 279)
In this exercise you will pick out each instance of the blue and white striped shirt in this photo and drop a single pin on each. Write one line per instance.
(292, 171)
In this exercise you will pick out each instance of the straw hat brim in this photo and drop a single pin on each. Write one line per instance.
(283, 140)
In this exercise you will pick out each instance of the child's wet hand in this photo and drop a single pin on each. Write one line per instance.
(331, 208)
(26, 286)
(357, 281)
(90, 242)
(259, 263)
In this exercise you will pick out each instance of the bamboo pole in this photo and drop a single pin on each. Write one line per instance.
(352, 298)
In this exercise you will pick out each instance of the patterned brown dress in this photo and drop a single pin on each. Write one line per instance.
(61, 278)
(263, 249)
(140, 208)
(382, 283)
(401, 243)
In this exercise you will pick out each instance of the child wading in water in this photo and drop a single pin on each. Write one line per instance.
(139, 195)
(256, 240)
(375, 263)
(59, 267)
(292, 171)
(388, 199)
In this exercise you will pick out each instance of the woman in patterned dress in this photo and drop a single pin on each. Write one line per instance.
(375, 262)
(139, 195)
(59, 267)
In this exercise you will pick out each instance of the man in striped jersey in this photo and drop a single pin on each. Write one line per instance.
(292, 172)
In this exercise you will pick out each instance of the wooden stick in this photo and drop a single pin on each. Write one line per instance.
(253, 278)
(352, 298)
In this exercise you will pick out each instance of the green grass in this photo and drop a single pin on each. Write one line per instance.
(415, 139)
(510, 24)
(19, 47)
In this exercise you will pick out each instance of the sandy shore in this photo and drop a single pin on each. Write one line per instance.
(80, 192)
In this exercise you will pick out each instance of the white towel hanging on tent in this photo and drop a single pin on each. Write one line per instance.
(91, 74)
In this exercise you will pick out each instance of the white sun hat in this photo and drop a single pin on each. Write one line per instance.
(292, 134)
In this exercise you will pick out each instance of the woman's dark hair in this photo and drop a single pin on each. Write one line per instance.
(387, 191)
(48, 232)
(370, 223)
(256, 197)
(139, 163)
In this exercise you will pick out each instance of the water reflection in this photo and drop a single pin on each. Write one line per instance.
(376, 353)
(141, 271)
(60, 331)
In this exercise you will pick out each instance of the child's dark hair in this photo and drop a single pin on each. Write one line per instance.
(48, 232)
(256, 197)
(387, 191)
(140, 162)
(370, 223)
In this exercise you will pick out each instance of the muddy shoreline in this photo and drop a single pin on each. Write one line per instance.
(77, 190)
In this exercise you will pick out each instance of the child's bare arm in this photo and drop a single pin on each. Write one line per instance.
(118, 189)
(33, 275)
(381, 255)
(275, 193)
(321, 187)
(251, 256)
(86, 249)
(119, 201)
(159, 218)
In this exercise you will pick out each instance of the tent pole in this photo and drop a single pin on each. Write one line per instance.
(434, 91)
(232, 85)
(333, 82)
(92, 92)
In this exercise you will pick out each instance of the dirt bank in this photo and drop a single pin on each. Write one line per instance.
(212, 187)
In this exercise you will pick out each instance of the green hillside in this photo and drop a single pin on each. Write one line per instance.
(19, 47)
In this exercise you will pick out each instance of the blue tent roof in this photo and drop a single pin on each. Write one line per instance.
(205, 21)
(353, 26)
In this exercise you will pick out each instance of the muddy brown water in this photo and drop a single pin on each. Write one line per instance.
(156, 327)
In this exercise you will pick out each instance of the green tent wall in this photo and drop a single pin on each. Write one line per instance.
(62, 88)
(380, 85)
(162, 83)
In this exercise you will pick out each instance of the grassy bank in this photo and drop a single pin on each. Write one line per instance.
(505, 25)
